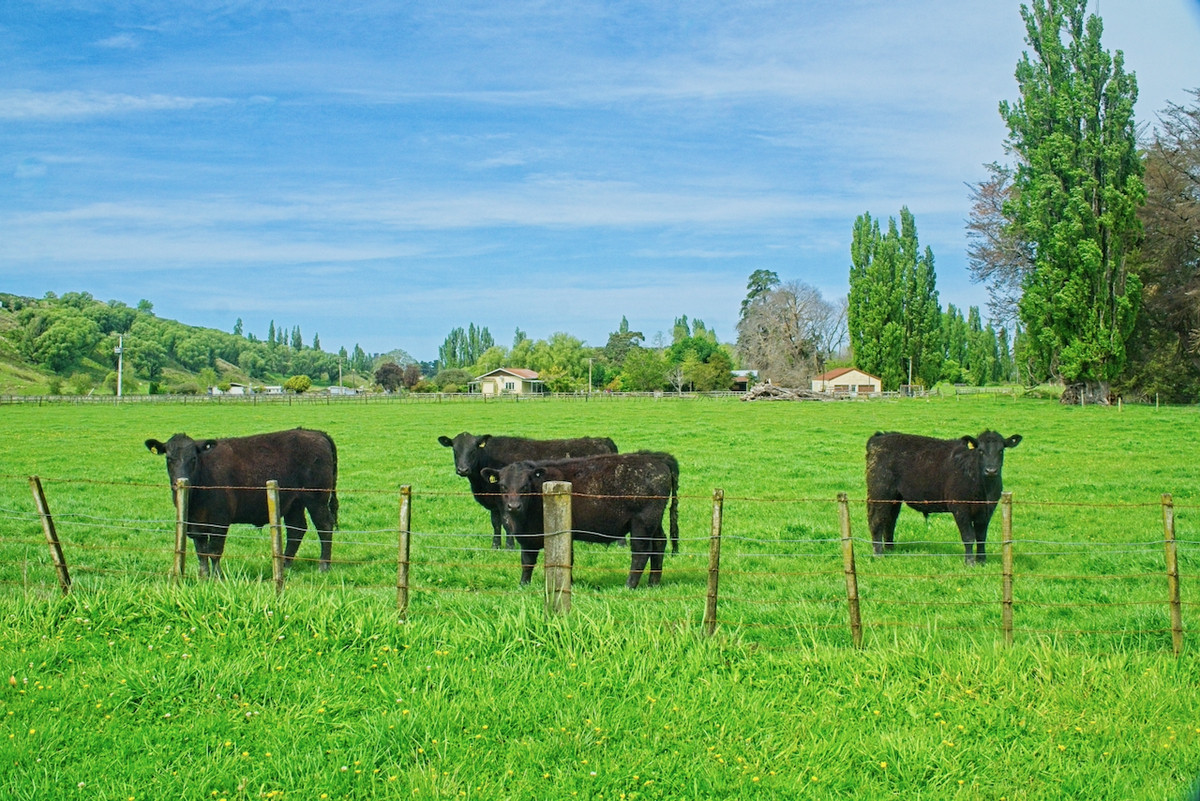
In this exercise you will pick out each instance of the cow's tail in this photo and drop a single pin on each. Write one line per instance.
(333, 499)
(673, 464)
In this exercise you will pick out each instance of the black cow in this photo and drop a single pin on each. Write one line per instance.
(474, 454)
(228, 478)
(612, 495)
(960, 476)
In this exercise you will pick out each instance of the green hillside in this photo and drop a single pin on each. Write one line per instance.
(67, 346)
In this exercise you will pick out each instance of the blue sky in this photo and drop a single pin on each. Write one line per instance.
(379, 173)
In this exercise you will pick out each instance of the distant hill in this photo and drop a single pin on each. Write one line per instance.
(67, 345)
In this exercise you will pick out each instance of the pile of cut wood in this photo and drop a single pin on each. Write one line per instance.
(773, 392)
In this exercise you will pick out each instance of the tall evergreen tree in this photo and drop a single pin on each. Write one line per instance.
(893, 314)
(759, 283)
(1076, 192)
(463, 347)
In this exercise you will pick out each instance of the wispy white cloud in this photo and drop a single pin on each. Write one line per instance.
(71, 104)
(121, 41)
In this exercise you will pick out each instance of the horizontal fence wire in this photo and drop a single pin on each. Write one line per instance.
(788, 579)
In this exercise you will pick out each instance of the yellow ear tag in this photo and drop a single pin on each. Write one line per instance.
(970, 446)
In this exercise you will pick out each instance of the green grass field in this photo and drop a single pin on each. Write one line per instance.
(133, 687)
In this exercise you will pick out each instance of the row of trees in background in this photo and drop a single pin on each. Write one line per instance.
(896, 325)
(693, 360)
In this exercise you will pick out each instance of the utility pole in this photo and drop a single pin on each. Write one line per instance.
(589, 376)
(120, 351)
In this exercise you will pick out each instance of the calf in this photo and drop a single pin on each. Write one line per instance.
(612, 495)
(228, 480)
(960, 476)
(474, 454)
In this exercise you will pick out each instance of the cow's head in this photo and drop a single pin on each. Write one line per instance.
(468, 452)
(520, 484)
(990, 447)
(183, 455)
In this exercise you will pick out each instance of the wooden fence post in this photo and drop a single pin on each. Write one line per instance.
(276, 534)
(1168, 506)
(403, 558)
(56, 552)
(556, 523)
(851, 573)
(1006, 565)
(714, 562)
(182, 495)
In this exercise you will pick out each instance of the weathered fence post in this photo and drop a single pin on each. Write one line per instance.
(1168, 506)
(556, 522)
(276, 534)
(1006, 565)
(403, 558)
(56, 552)
(182, 494)
(851, 573)
(714, 562)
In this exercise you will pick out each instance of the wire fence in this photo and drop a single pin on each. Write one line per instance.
(813, 577)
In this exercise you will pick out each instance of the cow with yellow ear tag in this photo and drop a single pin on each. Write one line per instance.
(960, 476)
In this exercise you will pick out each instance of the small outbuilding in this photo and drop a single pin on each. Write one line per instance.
(847, 381)
(508, 381)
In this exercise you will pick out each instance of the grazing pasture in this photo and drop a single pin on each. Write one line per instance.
(135, 687)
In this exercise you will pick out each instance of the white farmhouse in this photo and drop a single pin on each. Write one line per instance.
(847, 381)
(508, 381)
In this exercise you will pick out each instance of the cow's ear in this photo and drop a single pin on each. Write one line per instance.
(491, 475)
(483, 440)
(970, 442)
(449, 443)
(206, 445)
(154, 446)
(1013, 441)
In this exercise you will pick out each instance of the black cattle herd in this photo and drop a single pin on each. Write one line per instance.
(614, 495)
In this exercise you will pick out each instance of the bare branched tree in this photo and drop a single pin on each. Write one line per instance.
(788, 331)
(997, 255)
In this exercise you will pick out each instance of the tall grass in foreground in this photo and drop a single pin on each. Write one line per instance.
(132, 687)
(225, 691)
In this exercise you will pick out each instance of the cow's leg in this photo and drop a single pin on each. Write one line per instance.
(528, 561)
(295, 525)
(639, 552)
(209, 542)
(881, 519)
(658, 547)
(216, 547)
(497, 524)
(981, 529)
(322, 520)
(201, 543)
(966, 530)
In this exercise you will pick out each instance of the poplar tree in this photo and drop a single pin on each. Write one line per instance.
(893, 315)
(1076, 191)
